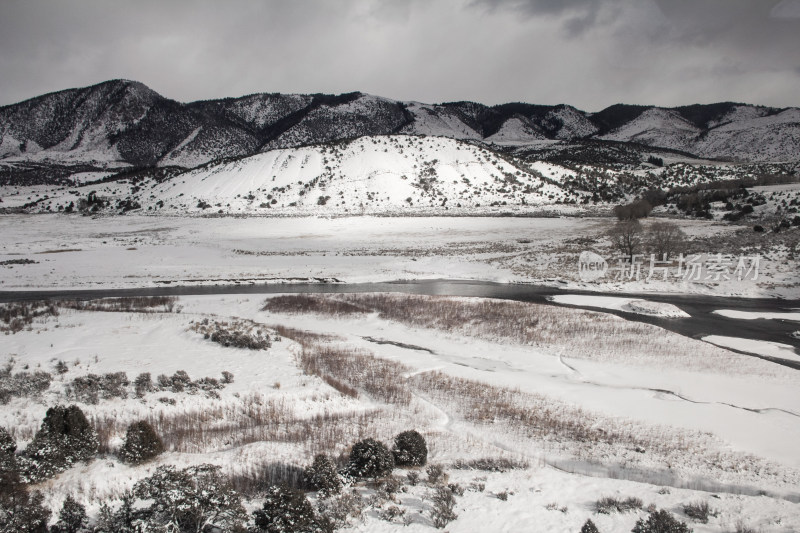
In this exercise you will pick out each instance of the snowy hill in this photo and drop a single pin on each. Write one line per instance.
(657, 127)
(379, 174)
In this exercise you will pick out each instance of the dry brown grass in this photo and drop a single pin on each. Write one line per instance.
(309, 303)
(574, 332)
(251, 420)
(138, 304)
(355, 370)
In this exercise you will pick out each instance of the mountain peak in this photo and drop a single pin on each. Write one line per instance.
(123, 121)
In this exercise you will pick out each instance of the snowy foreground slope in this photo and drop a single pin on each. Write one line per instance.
(645, 413)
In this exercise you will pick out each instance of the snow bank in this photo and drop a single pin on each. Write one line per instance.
(645, 307)
(753, 315)
(631, 305)
(767, 348)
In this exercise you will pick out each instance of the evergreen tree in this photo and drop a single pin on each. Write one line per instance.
(322, 476)
(142, 443)
(589, 527)
(193, 499)
(370, 458)
(71, 518)
(21, 512)
(64, 439)
(410, 449)
(285, 510)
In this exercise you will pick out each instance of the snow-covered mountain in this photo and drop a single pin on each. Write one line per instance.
(123, 123)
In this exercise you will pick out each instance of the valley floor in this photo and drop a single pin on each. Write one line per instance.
(72, 251)
(583, 404)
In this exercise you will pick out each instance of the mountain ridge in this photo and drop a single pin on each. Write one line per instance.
(124, 122)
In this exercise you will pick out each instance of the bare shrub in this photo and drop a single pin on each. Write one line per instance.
(257, 479)
(392, 513)
(343, 388)
(341, 510)
(180, 381)
(252, 419)
(443, 504)
(92, 387)
(477, 486)
(15, 316)
(742, 527)
(143, 384)
(660, 522)
(237, 334)
(387, 487)
(457, 489)
(699, 511)
(610, 504)
(553, 506)
(136, 304)
(23, 384)
(436, 474)
(489, 464)
(303, 337)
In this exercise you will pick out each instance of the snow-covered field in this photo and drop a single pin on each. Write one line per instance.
(706, 423)
(73, 251)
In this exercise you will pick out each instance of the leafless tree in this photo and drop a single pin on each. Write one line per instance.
(627, 237)
(665, 239)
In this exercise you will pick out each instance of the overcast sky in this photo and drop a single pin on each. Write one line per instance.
(588, 53)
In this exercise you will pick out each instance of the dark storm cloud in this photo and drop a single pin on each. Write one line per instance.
(578, 15)
(589, 53)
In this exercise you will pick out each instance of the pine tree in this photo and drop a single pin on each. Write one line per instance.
(64, 439)
(589, 527)
(322, 476)
(193, 499)
(23, 512)
(285, 510)
(370, 458)
(410, 449)
(142, 443)
(71, 518)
